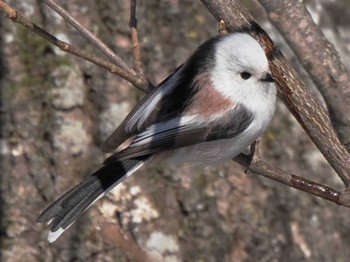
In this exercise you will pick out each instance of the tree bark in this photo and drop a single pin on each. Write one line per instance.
(319, 58)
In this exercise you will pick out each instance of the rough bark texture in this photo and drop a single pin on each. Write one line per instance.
(291, 89)
(329, 74)
(56, 110)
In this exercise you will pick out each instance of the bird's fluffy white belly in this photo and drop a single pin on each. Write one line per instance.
(208, 153)
(213, 152)
(205, 153)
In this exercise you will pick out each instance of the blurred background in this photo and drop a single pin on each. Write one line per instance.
(57, 109)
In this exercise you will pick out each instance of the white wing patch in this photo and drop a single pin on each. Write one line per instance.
(162, 130)
(141, 115)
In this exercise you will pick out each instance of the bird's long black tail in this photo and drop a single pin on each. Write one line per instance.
(66, 209)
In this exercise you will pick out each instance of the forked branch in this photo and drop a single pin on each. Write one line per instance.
(119, 68)
(255, 164)
(292, 91)
(89, 36)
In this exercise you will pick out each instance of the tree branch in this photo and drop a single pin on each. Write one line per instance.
(136, 51)
(89, 36)
(256, 165)
(17, 17)
(291, 90)
(311, 116)
(318, 56)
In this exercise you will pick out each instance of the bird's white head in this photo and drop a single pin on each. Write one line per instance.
(241, 69)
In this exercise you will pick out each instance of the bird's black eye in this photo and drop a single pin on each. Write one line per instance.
(245, 75)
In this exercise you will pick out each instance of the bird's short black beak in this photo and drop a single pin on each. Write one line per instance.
(268, 78)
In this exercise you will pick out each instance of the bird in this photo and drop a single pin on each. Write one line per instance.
(210, 109)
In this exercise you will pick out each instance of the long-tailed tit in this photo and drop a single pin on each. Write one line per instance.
(209, 110)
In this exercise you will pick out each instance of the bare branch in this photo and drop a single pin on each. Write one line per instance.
(17, 17)
(255, 164)
(136, 51)
(135, 39)
(292, 91)
(312, 116)
(318, 56)
(90, 36)
(259, 167)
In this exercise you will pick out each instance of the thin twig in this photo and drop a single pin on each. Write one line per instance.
(318, 56)
(255, 150)
(17, 17)
(136, 50)
(255, 164)
(310, 114)
(259, 167)
(90, 36)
